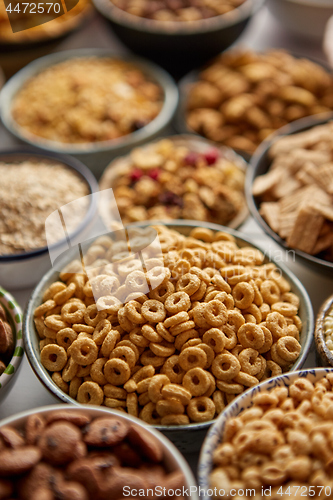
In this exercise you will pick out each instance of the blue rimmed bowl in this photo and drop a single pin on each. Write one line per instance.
(14, 317)
(241, 403)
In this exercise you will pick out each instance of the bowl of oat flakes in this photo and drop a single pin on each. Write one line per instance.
(33, 186)
(88, 103)
(170, 333)
(179, 177)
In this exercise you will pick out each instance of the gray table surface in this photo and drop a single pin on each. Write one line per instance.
(263, 32)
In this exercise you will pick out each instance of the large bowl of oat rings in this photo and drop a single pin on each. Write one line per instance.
(167, 322)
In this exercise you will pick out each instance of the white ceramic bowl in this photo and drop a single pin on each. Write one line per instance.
(239, 404)
(98, 154)
(14, 315)
(305, 18)
(24, 270)
(172, 460)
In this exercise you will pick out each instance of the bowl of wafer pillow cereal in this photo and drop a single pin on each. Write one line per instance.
(274, 440)
(289, 189)
(170, 331)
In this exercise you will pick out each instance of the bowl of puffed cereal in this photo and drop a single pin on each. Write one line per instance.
(274, 440)
(324, 333)
(170, 331)
(89, 103)
(91, 454)
(11, 342)
(179, 177)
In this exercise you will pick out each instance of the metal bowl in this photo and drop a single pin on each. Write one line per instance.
(184, 45)
(259, 165)
(98, 154)
(187, 438)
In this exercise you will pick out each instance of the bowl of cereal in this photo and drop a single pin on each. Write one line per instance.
(188, 33)
(25, 207)
(90, 453)
(162, 333)
(107, 104)
(293, 202)
(324, 333)
(278, 438)
(11, 342)
(180, 177)
(243, 96)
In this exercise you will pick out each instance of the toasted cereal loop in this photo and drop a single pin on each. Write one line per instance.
(155, 353)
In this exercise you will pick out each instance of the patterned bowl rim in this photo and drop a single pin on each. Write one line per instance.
(242, 402)
(15, 313)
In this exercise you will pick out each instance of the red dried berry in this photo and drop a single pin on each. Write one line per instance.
(211, 156)
(154, 173)
(191, 158)
(136, 174)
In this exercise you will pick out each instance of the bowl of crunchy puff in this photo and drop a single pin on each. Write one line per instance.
(277, 436)
(289, 188)
(87, 454)
(171, 331)
(11, 342)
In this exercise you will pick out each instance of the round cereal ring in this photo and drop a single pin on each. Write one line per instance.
(44, 308)
(209, 353)
(291, 298)
(176, 302)
(229, 387)
(251, 335)
(127, 267)
(182, 327)
(273, 474)
(151, 334)
(153, 311)
(262, 371)
(83, 371)
(202, 233)
(149, 414)
(282, 283)
(225, 367)
(173, 370)
(53, 357)
(162, 291)
(192, 357)
(92, 315)
(124, 321)
(199, 317)
(212, 386)
(138, 296)
(149, 358)
(285, 308)
(55, 322)
(288, 348)
(116, 371)
(58, 380)
(250, 361)
(230, 337)
(155, 386)
(276, 324)
(125, 353)
(254, 311)
(84, 351)
(243, 295)
(215, 339)
(235, 320)
(69, 371)
(200, 293)
(66, 337)
(164, 333)
(101, 330)
(272, 369)
(73, 312)
(215, 313)
(268, 339)
(109, 303)
(117, 404)
(74, 387)
(188, 283)
(80, 327)
(191, 343)
(171, 406)
(301, 389)
(221, 284)
(133, 312)
(201, 409)
(132, 404)
(270, 292)
(196, 381)
(157, 275)
(138, 340)
(96, 371)
(136, 282)
(246, 379)
(182, 338)
(111, 391)
(54, 288)
(164, 349)
(64, 295)
(175, 391)
(176, 319)
(109, 343)
(175, 420)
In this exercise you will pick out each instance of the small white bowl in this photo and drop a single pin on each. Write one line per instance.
(173, 460)
(14, 315)
(239, 404)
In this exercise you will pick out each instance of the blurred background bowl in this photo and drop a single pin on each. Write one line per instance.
(14, 316)
(95, 155)
(24, 270)
(324, 355)
(260, 164)
(239, 404)
(303, 18)
(187, 438)
(178, 46)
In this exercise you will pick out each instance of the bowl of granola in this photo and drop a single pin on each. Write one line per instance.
(170, 332)
(88, 103)
(180, 177)
(34, 187)
(290, 192)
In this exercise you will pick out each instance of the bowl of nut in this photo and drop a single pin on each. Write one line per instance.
(108, 104)
(292, 200)
(187, 32)
(90, 453)
(30, 228)
(11, 342)
(243, 96)
(278, 438)
(324, 333)
(170, 332)
(180, 177)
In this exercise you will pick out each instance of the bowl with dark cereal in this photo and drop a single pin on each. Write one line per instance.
(11, 341)
(170, 332)
(47, 182)
(88, 454)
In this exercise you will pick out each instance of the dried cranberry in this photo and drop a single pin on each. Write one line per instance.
(168, 198)
(211, 156)
(136, 174)
(191, 158)
(154, 173)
